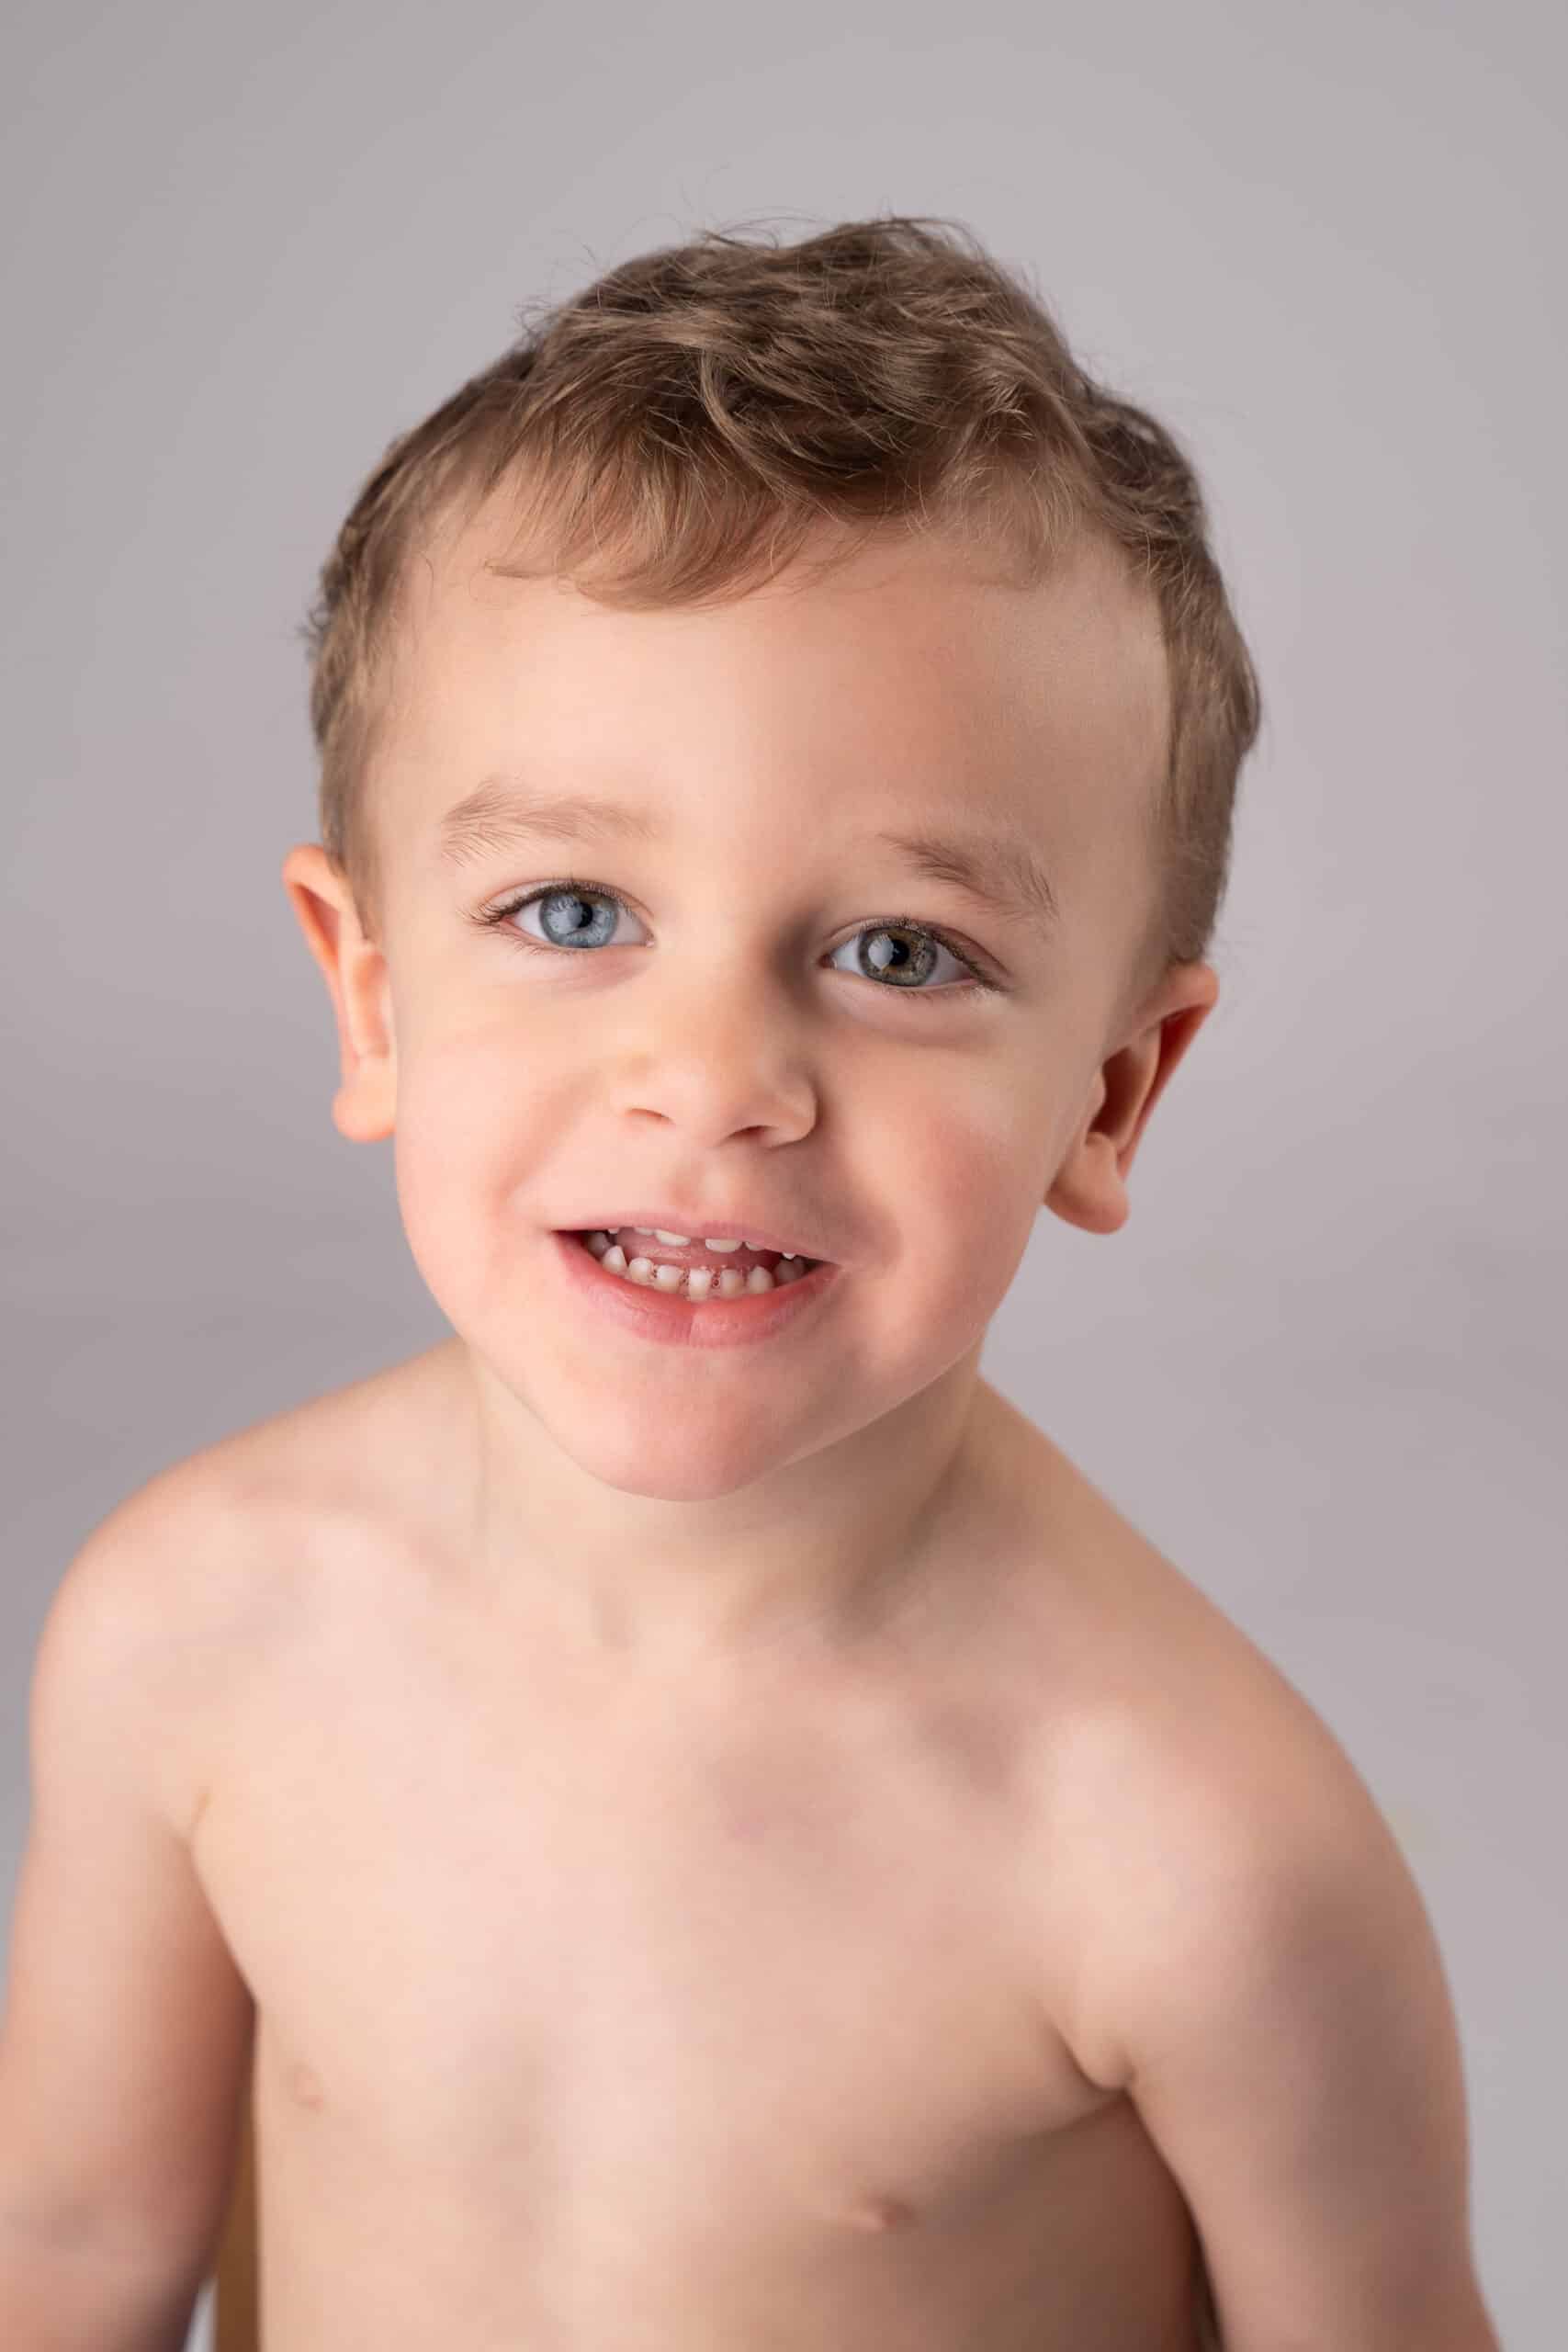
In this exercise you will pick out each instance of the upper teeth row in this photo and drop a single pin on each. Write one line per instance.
(680, 1240)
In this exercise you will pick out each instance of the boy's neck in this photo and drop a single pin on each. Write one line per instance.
(814, 1558)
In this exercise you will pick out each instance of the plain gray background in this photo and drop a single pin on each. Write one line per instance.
(1322, 1365)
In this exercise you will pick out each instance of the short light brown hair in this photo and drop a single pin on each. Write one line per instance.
(676, 433)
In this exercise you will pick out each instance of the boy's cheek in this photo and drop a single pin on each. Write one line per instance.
(472, 1156)
(973, 1219)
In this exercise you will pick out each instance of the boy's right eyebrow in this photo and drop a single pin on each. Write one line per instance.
(997, 865)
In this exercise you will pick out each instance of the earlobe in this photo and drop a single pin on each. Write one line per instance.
(1088, 1189)
(354, 970)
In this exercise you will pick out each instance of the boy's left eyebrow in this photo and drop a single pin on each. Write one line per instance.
(997, 865)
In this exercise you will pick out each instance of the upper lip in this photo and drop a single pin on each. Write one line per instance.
(722, 1223)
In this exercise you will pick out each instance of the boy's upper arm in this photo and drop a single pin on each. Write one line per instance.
(127, 2027)
(1295, 2059)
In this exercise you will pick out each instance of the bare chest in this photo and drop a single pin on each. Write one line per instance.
(738, 2017)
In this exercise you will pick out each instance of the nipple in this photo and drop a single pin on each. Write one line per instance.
(304, 2084)
(878, 2213)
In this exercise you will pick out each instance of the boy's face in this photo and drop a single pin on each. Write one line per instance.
(725, 1038)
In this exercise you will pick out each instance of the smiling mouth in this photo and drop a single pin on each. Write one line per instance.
(690, 1268)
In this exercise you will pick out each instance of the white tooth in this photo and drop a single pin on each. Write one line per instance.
(680, 1240)
(731, 1281)
(711, 1241)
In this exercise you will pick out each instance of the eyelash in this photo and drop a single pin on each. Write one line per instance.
(492, 917)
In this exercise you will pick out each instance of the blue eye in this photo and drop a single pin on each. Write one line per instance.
(571, 930)
(577, 926)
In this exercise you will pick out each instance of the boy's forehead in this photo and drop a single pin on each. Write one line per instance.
(906, 676)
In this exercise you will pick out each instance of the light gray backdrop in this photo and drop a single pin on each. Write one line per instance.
(1323, 1364)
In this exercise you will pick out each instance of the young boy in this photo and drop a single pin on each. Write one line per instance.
(713, 1833)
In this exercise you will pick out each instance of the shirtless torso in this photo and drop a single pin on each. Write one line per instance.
(594, 2011)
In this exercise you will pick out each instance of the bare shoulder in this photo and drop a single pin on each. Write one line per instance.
(1187, 1771)
(373, 1448)
(201, 1573)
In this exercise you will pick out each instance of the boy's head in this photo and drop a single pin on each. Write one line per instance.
(786, 550)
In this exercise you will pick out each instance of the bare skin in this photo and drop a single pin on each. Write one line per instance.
(732, 2006)
(662, 1804)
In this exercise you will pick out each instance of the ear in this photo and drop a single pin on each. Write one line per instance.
(1091, 1186)
(355, 972)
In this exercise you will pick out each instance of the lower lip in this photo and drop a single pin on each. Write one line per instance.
(653, 1314)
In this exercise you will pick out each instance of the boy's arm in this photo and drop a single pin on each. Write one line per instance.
(1293, 2055)
(127, 2025)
